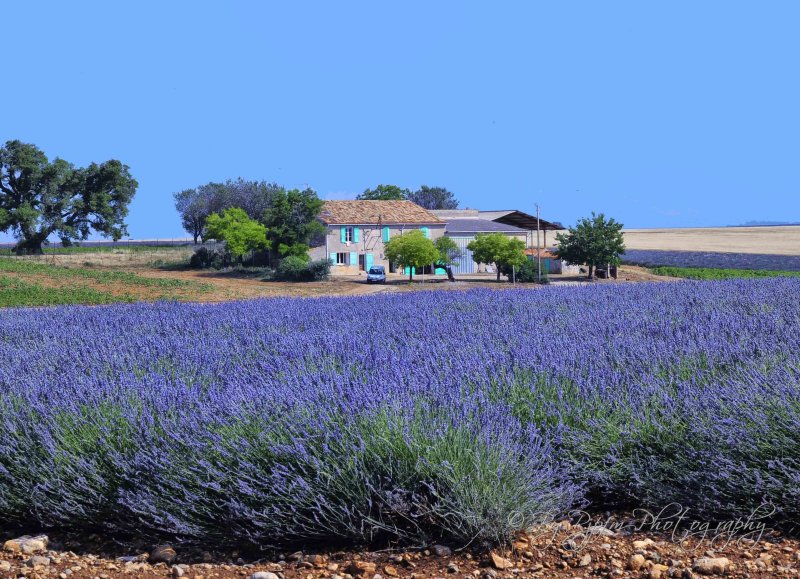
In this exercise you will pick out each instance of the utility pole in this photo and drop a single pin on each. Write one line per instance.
(538, 249)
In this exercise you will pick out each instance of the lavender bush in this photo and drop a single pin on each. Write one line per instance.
(458, 416)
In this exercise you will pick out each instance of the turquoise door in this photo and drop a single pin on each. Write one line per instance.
(368, 261)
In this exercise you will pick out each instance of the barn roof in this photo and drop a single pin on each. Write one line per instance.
(520, 219)
(472, 226)
(387, 212)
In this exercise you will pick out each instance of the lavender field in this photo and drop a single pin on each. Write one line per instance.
(450, 416)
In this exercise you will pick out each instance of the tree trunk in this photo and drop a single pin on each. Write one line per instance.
(410, 274)
(30, 245)
(449, 271)
(591, 270)
(498, 271)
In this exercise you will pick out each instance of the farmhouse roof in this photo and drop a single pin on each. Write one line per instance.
(357, 212)
(472, 226)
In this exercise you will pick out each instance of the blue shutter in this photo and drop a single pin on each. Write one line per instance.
(386, 234)
(356, 231)
(425, 232)
(344, 234)
(368, 261)
(333, 258)
(353, 258)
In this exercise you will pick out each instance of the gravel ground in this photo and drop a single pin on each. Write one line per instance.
(556, 550)
(712, 259)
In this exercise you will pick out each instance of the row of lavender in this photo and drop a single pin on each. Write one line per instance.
(426, 416)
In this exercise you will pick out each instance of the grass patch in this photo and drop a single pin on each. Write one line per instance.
(16, 292)
(28, 283)
(713, 273)
(99, 276)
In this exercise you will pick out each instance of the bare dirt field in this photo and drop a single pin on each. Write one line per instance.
(783, 240)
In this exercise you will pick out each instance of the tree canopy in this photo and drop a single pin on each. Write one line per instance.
(40, 198)
(384, 193)
(433, 198)
(498, 249)
(196, 204)
(411, 249)
(291, 221)
(427, 197)
(449, 253)
(593, 242)
(240, 233)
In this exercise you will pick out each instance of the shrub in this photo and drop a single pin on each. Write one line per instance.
(204, 258)
(295, 268)
(527, 273)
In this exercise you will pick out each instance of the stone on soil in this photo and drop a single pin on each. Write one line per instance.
(711, 565)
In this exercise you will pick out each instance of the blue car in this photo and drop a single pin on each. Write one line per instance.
(376, 274)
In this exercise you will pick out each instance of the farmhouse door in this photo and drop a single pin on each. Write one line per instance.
(362, 261)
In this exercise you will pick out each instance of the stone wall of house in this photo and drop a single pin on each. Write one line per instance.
(370, 242)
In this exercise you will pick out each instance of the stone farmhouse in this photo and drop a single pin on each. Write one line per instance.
(356, 231)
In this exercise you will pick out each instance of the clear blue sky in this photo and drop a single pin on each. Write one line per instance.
(657, 113)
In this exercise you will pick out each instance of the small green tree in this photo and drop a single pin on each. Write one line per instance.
(593, 242)
(502, 251)
(448, 255)
(413, 250)
(240, 233)
(384, 193)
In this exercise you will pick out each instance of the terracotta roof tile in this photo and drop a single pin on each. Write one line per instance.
(356, 212)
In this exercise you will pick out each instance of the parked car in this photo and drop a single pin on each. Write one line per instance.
(376, 274)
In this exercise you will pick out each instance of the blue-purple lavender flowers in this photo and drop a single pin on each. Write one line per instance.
(458, 416)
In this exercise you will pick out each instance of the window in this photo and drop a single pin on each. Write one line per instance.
(341, 258)
(348, 234)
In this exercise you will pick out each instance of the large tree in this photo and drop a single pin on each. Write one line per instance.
(593, 242)
(412, 249)
(41, 198)
(384, 193)
(291, 221)
(498, 249)
(195, 205)
(433, 198)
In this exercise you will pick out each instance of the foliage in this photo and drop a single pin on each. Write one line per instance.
(449, 253)
(294, 268)
(433, 198)
(40, 198)
(291, 221)
(412, 249)
(710, 273)
(595, 242)
(529, 272)
(259, 423)
(195, 205)
(384, 193)
(240, 233)
(498, 249)
(216, 258)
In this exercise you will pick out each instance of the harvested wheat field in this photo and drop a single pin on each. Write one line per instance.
(783, 240)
